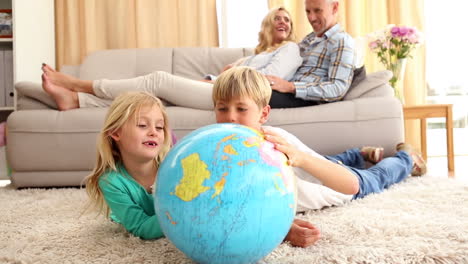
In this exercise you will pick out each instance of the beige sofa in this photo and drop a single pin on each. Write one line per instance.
(47, 147)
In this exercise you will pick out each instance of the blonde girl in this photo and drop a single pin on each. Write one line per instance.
(133, 142)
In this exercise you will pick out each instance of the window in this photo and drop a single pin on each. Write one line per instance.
(239, 22)
(446, 72)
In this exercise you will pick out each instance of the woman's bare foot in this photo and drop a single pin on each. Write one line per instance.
(64, 98)
(66, 81)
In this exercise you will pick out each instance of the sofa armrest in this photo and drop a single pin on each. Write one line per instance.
(384, 90)
(30, 90)
(373, 85)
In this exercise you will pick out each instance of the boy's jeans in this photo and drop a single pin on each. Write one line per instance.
(378, 177)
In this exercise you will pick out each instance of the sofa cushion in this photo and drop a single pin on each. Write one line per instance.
(28, 103)
(125, 63)
(35, 91)
(195, 63)
(370, 82)
(358, 76)
(62, 140)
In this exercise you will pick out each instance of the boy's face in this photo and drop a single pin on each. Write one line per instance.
(243, 111)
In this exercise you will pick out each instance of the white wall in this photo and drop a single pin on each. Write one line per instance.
(33, 38)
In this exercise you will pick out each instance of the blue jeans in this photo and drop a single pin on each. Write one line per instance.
(375, 179)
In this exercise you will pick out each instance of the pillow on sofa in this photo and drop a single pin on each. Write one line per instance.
(36, 92)
(358, 75)
(370, 82)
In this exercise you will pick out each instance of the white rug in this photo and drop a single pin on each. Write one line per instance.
(423, 220)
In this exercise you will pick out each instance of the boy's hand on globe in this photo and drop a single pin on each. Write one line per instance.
(302, 234)
(294, 156)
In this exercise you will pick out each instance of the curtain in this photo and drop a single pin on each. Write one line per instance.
(361, 17)
(84, 26)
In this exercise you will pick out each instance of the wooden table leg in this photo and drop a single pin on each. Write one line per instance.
(430, 111)
(449, 128)
(423, 138)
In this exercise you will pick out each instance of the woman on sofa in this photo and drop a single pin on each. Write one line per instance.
(276, 54)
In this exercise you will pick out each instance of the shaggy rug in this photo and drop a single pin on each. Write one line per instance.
(422, 220)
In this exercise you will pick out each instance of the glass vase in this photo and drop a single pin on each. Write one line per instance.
(397, 67)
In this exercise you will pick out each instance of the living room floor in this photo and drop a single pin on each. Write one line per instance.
(437, 166)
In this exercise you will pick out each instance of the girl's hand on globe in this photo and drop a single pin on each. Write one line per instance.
(293, 154)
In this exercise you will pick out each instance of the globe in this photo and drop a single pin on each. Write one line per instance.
(225, 195)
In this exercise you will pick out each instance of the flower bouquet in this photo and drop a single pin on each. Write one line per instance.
(393, 44)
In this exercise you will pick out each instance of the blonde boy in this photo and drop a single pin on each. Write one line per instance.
(241, 95)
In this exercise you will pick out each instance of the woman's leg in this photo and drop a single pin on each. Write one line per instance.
(174, 89)
(87, 100)
(64, 90)
(66, 81)
(64, 98)
(70, 93)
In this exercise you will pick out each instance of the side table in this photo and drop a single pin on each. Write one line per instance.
(422, 112)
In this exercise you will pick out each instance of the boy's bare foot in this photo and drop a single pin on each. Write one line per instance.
(65, 81)
(419, 165)
(372, 154)
(64, 98)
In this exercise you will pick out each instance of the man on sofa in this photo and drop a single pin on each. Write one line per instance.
(327, 69)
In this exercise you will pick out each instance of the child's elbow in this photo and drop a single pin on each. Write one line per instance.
(354, 187)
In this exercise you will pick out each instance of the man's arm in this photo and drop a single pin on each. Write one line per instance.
(330, 88)
(340, 74)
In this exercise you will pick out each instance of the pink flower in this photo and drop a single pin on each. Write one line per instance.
(400, 31)
(413, 39)
(394, 42)
(395, 30)
(403, 31)
(373, 45)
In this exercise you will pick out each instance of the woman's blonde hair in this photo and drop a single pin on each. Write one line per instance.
(240, 82)
(125, 108)
(265, 36)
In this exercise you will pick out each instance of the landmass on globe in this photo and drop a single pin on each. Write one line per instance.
(195, 171)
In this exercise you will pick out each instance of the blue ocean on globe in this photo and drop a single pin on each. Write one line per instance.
(225, 195)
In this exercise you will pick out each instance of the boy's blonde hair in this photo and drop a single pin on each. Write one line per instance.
(125, 108)
(240, 82)
(265, 36)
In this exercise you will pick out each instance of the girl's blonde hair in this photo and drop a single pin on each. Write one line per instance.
(125, 108)
(265, 36)
(240, 82)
